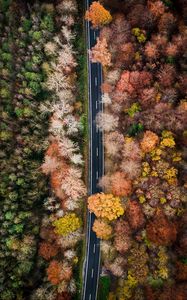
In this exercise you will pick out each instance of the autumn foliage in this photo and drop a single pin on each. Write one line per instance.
(98, 15)
(67, 224)
(58, 271)
(47, 250)
(144, 128)
(100, 53)
(105, 206)
(160, 230)
(149, 141)
(122, 239)
(118, 184)
(135, 215)
(102, 229)
(54, 272)
(63, 296)
(132, 82)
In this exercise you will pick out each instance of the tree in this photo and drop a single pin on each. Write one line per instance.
(63, 296)
(50, 165)
(149, 141)
(56, 181)
(67, 224)
(131, 150)
(122, 243)
(151, 51)
(67, 7)
(140, 16)
(133, 82)
(108, 250)
(131, 168)
(100, 53)
(166, 75)
(117, 184)
(120, 185)
(126, 55)
(69, 241)
(135, 215)
(105, 206)
(102, 229)
(157, 8)
(114, 143)
(72, 184)
(58, 271)
(148, 97)
(117, 267)
(167, 23)
(98, 15)
(122, 240)
(171, 49)
(54, 272)
(106, 99)
(181, 271)
(47, 250)
(106, 121)
(160, 230)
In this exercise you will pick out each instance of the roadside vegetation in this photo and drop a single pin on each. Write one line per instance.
(104, 288)
(42, 150)
(142, 213)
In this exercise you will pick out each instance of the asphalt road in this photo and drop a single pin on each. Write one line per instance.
(92, 259)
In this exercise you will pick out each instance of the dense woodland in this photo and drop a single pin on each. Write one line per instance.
(141, 214)
(142, 217)
(42, 129)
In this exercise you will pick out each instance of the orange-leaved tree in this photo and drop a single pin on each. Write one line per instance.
(98, 15)
(100, 53)
(58, 271)
(102, 229)
(47, 250)
(105, 206)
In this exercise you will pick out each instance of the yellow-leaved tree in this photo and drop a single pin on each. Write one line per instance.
(67, 224)
(98, 15)
(102, 229)
(105, 206)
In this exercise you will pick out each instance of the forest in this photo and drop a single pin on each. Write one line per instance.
(141, 217)
(42, 153)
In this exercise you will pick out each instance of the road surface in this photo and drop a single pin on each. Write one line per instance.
(92, 259)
